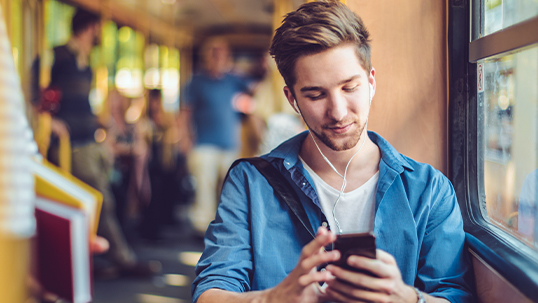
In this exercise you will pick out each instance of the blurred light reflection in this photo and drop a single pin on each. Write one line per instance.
(189, 257)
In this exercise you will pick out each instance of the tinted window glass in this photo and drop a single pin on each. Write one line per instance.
(509, 103)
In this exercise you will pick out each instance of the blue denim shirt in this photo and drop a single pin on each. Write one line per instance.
(254, 242)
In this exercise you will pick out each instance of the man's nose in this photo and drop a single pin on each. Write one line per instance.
(337, 107)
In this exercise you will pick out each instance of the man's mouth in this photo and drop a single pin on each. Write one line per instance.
(340, 129)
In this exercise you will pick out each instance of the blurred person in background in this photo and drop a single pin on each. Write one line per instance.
(280, 121)
(167, 170)
(72, 76)
(129, 177)
(211, 125)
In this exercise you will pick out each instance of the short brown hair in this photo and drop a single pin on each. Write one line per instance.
(314, 28)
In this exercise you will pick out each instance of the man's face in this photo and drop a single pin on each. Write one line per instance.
(217, 57)
(333, 95)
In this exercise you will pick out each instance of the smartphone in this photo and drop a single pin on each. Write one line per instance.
(360, 244)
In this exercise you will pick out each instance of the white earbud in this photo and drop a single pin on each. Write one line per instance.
(296, 107)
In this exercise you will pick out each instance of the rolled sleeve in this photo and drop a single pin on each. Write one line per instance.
(227, 259)
(444, 265)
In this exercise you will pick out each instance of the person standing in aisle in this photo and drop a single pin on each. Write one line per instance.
(72, 75)
(212, 127)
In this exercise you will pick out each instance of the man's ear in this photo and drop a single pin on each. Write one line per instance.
(291, 98)
(371, 80)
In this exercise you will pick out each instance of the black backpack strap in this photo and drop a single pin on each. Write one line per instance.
(282, 189)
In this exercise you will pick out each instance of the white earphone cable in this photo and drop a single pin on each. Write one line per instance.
(344, 183)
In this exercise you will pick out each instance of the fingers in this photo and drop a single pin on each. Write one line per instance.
(351, 286)
(323, 238)
(383, 266)
(359, 279)
(343, 292)
(385, 257)
(305, 274)
(315, 277)
(374, 266)
(337, 297)
(313, 261)
(312, 256)
(99, 245)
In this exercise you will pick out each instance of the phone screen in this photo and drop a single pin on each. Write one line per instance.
(361, 244)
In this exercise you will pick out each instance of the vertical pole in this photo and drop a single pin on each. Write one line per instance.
(282, 7)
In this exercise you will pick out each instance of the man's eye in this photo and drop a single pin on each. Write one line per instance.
(316, 97)
(350, 89)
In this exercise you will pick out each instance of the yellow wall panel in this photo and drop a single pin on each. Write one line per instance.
(409, 54)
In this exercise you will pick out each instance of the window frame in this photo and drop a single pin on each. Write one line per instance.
(511, 258)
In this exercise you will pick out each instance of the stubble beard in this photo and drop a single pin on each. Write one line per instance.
(333, 144)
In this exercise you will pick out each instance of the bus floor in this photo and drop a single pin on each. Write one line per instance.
(177, 251)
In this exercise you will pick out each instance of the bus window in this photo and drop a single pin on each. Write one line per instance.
(510, 141)
(493, 100)
(499, 14)
(507, 100)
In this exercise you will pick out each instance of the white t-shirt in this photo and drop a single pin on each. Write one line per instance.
(356, 209)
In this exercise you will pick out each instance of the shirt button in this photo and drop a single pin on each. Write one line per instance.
(324, 224)
(304, 183)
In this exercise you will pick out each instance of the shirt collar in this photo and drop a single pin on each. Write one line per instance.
(289, 152)
(389, 154)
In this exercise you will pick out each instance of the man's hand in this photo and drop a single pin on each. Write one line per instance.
(99, 245)
(185, 132)
(388, 286)
(300, 284)
(58, 128)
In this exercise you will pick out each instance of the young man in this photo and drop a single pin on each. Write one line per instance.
(255, 249)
